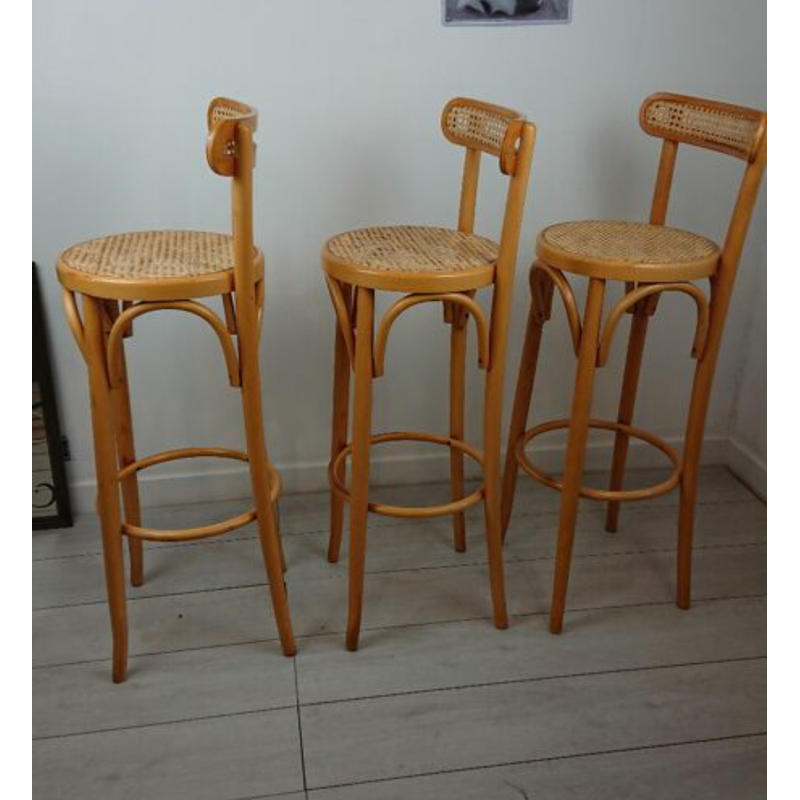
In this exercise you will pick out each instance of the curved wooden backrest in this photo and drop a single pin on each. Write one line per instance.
(223, 117)
(735, 130)
(230, 151)
(485, 127)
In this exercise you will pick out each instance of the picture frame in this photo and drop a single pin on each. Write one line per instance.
(51, 506)
(506, 12)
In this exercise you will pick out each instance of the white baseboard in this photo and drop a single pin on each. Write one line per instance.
(750, 468)
(172, 488)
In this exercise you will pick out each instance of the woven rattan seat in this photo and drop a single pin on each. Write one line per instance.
(401, 257)
(631, 251)
(176, 258)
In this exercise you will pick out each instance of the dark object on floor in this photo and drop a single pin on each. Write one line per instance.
(51, 506)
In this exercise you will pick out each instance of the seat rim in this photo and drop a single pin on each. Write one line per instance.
(182, 287)
(617, 269)
(423, 282)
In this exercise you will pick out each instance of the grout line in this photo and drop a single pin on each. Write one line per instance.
(187, 592)
(316, 531)
(544, 613)
(156, 653)
(512, 559)
(300, 726)
(535, 679)
(292, 793)
(388, 695)
(399, 626)
(178, 721)
(546, 759)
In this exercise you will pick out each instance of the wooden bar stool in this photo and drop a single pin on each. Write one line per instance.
(429, 265)
(652, 259)
(125, 276)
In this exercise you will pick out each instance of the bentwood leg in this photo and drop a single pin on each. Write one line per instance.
(359, 488)
(107, 489)
(259, 472)
(126, 454)
(630, 382)
(341, 403)
(492, 435)
(539, 313)
(576, 449)
(458, 357)
(693, 443)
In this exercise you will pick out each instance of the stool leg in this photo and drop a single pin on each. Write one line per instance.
(576, 449)
(693, 443)
(341, 403)
(539, 313)
(458, 357)
(126, 451)
(259, 474)
(359, 488)
(107, 490)
(276, 508)
(492, 437)
(630, 382)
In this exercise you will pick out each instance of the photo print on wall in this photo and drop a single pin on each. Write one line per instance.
(506, 12)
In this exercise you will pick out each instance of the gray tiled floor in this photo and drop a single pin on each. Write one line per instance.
(635, 700)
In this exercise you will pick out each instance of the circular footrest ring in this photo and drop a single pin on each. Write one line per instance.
(336, 477)
(622, 495)
(205, 531)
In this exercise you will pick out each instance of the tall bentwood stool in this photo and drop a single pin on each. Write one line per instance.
(125, 276)
(651, 259)
(428, 265)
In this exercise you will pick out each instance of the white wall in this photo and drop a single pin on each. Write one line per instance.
(350, 94)
(748, 431)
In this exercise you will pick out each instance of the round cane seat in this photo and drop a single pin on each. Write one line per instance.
(152, 265)
(629, 251)
(411, 259)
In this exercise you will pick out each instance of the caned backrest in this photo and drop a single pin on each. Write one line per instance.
(223, 117)
(485, 127)
(230, 151)
(730, 129)
(734, 130)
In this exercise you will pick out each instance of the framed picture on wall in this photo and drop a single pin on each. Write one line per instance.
(506, 12)
(51, 506)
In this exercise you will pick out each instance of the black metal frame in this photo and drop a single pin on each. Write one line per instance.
(43, 375)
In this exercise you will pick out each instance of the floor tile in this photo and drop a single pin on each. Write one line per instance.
(224, 758)
(471, 653)
(162, 688)
(363, 740)
(730, 769)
